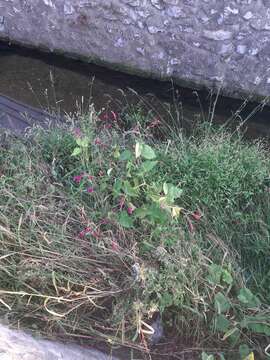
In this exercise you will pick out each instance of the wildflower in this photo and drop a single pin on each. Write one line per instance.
(77, 132)
(154, 123)
(91, 177)
(130, 209)
(104, 116)
(114, 116)
(196, 215)
(98, 141)
(78, 178)
(90, 189)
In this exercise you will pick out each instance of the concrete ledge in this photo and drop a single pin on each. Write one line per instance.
(197, 43)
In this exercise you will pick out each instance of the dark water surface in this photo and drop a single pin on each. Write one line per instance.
(46, 80)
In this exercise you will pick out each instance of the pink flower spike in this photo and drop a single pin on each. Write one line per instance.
(130, 210)
(90, 190)
(98, 141)
(78, 178)
(77, 132)
(114, 115)
(81, 234)
(196, 215)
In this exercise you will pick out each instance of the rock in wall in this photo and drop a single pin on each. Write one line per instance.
(198, 43)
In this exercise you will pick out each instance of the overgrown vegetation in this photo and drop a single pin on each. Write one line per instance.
(102, 229)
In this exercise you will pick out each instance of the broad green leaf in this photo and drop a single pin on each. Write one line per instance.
(147, 166)
(147, 152)
(207, 357)
(117, 186)
(218, 274)
(129, 189)
(84, 142)
(248, 298)
(76, 151)
(125, 155)
(244, 351)
(172, 192)
(260, 328)
(226, 277)
(232, 332)
(125, 220)
(222, 303)
(215, 273)
(222, 323)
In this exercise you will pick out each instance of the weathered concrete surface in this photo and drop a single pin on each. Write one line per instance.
(196, 42)
(15, 345)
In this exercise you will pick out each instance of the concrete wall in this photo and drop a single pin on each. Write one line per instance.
(196, 42)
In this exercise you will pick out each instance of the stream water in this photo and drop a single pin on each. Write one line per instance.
(50, 81)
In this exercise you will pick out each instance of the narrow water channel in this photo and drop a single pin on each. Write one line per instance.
(50, 81)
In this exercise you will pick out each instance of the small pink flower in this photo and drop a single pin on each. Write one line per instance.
(91, 177)
(104, 116)
(114, 116)
(78, 178)
(130, 210)
(90, 189)
(154, 123)
(108, 126)
(98, 141)
(81, 234)
(196, 215)
(77, 132)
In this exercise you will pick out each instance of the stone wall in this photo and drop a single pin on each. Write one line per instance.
(198, 43)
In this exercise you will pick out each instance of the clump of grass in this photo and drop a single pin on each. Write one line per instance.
(101, 229)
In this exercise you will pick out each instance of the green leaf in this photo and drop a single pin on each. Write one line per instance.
(117, 187)
(222, 303)
(125, 155)
(156, 214)
(207, 357)
(76, 151)
(84, 142)
(125, 220)
(244, 351)
(222, 323)
(147, 166)
(257, 324)
(147, 152)
(248, 298)
(129, 189)
(215, 273)
(232, 334)
(226, 277)
(218, 274)
(172, 192)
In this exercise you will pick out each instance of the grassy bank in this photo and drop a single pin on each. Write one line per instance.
(104, 228)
